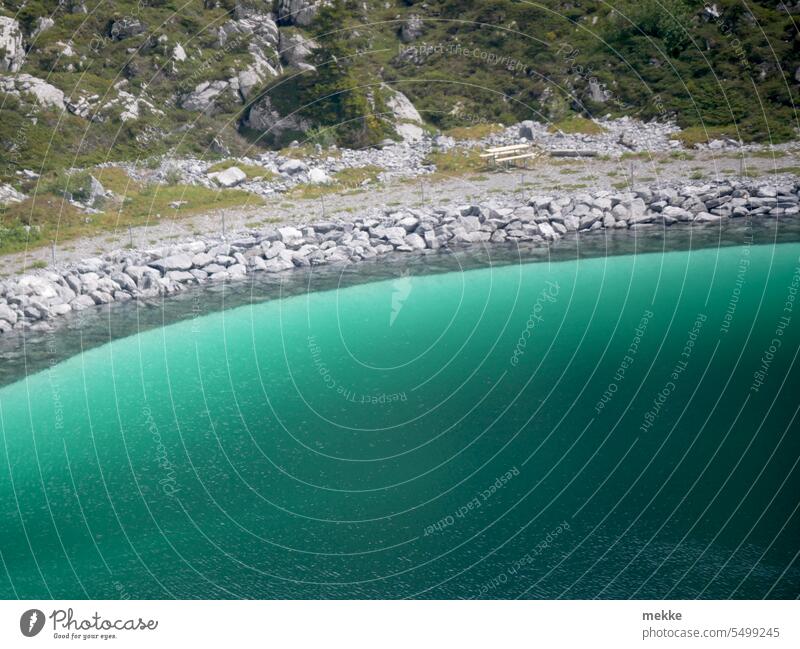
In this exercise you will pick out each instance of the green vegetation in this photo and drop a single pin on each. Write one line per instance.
(342, 97)
(474, 132)
(252, 171)
(456, 162)
(477, 63)
(46, 215)
(354, 178)
(577, 124)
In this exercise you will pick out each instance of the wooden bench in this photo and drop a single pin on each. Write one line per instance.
(511, 153)
(496, 151)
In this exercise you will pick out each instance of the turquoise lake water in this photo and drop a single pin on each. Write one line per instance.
(609, 427)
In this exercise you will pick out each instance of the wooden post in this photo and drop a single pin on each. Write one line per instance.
(631, 174)
(322, 200)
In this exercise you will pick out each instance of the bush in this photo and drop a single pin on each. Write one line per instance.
(669, 20)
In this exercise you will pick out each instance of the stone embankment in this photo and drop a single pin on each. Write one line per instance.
(32, 300)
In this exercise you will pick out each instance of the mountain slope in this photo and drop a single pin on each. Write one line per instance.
(83, 81)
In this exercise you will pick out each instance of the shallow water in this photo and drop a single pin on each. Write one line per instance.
(435, 435)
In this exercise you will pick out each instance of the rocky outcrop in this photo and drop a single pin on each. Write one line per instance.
(10, 195)
(43, 23)
(264, 118)
(126, 27)
(259, 34)
(411, 29)
(44, 94)
(30, 301)
(247, 28)
(131, 106)
(12, 51)
(202, 99)
(407, 120)
(298, 12)
(296, 50)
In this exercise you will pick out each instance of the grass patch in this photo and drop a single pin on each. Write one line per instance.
(46, 215)
(694, 135)
(307, 151)
(254, 225)
(476, 132)
(352, 179)
(788, 170)
(577, 124)
(456, 162)
(768, 153)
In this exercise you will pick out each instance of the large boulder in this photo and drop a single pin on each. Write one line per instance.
(172, 262)
(407, 119)
(318, 176)
(402, 108)
(231, 177)
(8, 314)
(12, 51)
(526, 129)
(292, 166)
(44, 94)
(96, 193)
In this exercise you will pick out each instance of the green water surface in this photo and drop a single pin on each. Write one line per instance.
(427, 436)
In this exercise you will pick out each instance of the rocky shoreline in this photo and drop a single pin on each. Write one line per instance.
(32, 301)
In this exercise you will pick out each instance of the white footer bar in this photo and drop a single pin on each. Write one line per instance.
(400, 624)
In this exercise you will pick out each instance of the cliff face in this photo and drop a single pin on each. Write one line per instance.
(124, 78)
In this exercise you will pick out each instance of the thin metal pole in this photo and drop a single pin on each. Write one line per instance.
(130, 235)
(322, 200)
(53, 251)
(631, 173)
(223, 224)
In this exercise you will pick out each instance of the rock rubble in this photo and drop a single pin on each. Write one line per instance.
(31, 301)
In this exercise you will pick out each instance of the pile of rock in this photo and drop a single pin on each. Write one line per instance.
(283, 172)
(31, 300)
(618, 136)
